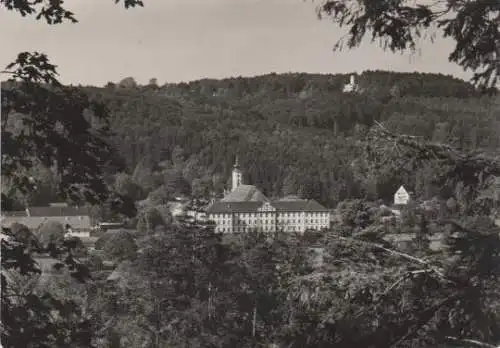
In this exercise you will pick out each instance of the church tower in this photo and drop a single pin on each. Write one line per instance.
(236, 176)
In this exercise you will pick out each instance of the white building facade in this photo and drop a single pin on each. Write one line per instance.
(246, 209)
(401, 197)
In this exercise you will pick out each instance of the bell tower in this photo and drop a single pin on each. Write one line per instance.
(236, 175)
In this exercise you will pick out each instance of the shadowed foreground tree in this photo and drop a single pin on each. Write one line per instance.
(55, 121)
(53, 126)
(371, 295)
(38, 319)
(398, 25)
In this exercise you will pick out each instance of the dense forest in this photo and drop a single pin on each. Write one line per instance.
(293, 132)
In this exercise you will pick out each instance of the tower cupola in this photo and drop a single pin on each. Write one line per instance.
(236, 175)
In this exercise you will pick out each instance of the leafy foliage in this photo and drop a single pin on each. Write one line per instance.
(52, 11)
(473, 25)
(53, 126)
(120, 246)
(55, 130)
(51, 232)
(30, 318)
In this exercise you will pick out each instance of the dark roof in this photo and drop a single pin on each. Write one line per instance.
(58, 211)
(253, 206)
(298, 205)
(233, 207)
(245, 193)
(14, 213)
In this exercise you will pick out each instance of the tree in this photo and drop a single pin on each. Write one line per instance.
(460, 297)
(356, 213)
(162, 195)
(473, 25)
(178, 157)
(289, 184)
(102, 240)
(148, 220)
(183, 271)
(54, 132)
(79, 158)
(45, 190)
(128, 82)
(50, 232)
(38, 318)
(143, 176)
(174, 182)
(269, 264)
(200, 188)
(78, 248)
(24, 235)
(120, 246)
(125, 186)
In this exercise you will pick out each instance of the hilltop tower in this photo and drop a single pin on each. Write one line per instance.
(352, 86)
(236, 176)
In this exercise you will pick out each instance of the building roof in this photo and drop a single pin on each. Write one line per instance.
(233, 207)
(400, 190)
(253, 206)
(16, 213)
(58, 211)
(245, 193)
(34, 222)
(298, 205)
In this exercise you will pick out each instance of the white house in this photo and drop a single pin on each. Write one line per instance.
(401, 197)
(351, 86)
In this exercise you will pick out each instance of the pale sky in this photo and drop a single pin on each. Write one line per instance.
(183, 40)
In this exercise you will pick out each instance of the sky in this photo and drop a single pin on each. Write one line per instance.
(184, 40)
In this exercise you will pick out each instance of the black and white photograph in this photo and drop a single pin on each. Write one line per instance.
(250, 173)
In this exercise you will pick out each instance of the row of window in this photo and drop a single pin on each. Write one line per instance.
(266, 221)
(265, 229)
(269, 221)
(280, 215)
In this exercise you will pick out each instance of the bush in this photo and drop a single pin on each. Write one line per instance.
(120, 246)
(50, 232)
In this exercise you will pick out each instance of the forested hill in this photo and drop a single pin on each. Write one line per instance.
(377, 83)
(294, 133)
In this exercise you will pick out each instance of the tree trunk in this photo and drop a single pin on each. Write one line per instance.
(254, 320)
(147, 223)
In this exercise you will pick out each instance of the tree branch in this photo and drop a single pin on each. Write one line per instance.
(470, 341)
(399, 254)
(439, 151)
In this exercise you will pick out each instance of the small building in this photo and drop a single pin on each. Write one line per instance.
(78, 218)
(352, 86)
(401, 197)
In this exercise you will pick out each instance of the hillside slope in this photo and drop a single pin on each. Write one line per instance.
(294, 133)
